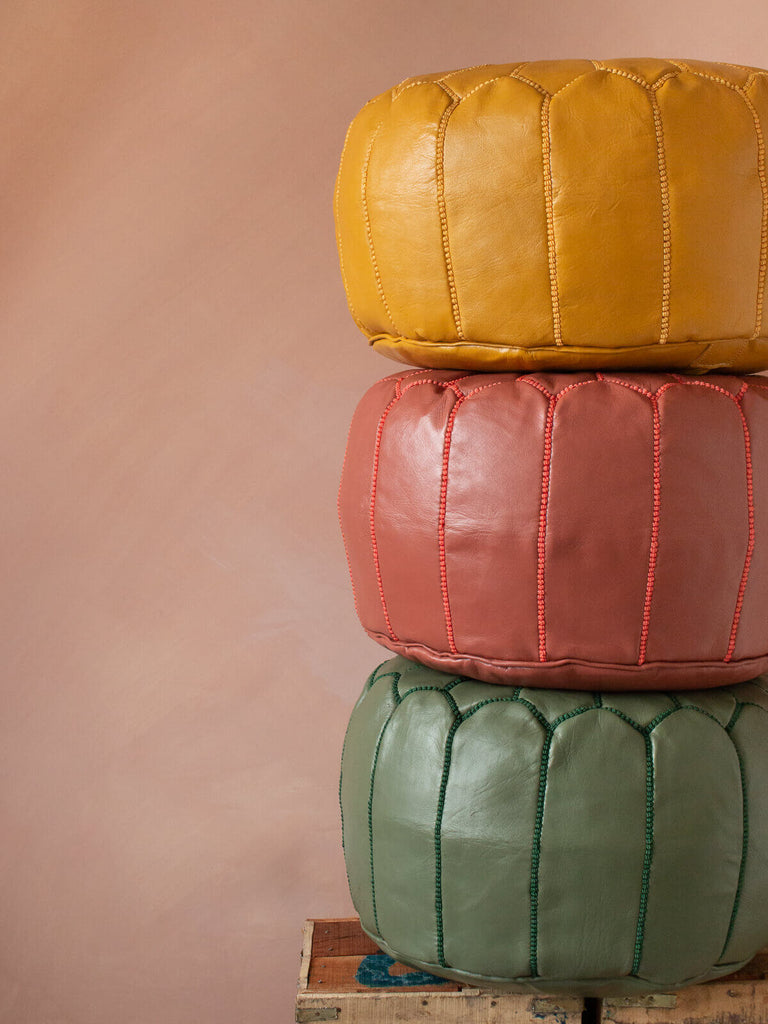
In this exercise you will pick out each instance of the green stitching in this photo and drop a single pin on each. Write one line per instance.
(627, 719)
(507, 700)
(598, 698)
(744, 843)
(536, 854)
(434, 689)
(370, 812)
(734, 717)
(647, 856)
(674, 699)
(438, 842)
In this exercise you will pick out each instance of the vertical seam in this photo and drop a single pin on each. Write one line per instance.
(654, 545)
(744, 836)
(546, 159)
(440, 940)
(372, 518)
(536, 854)
(541, 544)
(370, 815)
(369, 231)
(441, 525)
(647, 855)
(440, 168)
(751, 526)
(666, 231)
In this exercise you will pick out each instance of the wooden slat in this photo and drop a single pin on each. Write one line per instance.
(718, 1002)
(341, 936)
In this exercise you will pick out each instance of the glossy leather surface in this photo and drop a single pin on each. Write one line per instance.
(566, 214)
(558, 841)
(563, 530)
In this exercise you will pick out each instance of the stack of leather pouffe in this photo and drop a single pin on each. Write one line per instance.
(559, 522)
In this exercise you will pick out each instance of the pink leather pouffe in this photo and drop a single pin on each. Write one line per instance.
(568, 530)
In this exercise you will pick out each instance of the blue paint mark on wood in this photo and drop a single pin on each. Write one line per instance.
(374, 969)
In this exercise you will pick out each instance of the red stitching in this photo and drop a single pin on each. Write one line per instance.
(542, 539)
(654, 548)
(751, 521)
(441, 525)
(374, 545)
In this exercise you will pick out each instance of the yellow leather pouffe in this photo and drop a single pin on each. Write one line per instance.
(564, 215)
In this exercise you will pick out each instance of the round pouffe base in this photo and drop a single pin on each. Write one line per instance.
(558, 841)
(586, 987)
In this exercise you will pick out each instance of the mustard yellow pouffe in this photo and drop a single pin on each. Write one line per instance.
(572, 530)
(561, 842)
(562, 215)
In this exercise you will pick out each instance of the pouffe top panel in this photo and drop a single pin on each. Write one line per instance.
(558, 841)
(564, 529)
(569, 214)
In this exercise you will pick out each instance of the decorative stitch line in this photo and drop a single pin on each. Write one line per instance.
(666, 231)
(441, 525)
(654, 546)
(440, 168)
(541, 545)
(744, 846)
(751, 528)
(370, 813)
(536, 855)
(546, 158)
(369, 231)
(372, 517)
(647, 856)
(439, 844)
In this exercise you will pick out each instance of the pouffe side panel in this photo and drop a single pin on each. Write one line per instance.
(625, 245)
(758, 92)
(750, 638)
(703, 493)
(357, 479)
(597, 520)
(350, 210)
(487, 828)
(404, 807)
(405, 515)
(714, 287)
(499, 233)
(697, 844)
(368, 721)
(404, 218)
(749, 922)
(501, 545)
(587, 893)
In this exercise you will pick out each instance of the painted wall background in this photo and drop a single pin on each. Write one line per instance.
(178, 368)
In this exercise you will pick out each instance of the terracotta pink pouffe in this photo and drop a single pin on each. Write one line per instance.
(566, 530)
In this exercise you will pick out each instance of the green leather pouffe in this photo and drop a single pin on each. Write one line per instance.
(558, 841)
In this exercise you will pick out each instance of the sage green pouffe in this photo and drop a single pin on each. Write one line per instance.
(558, 841)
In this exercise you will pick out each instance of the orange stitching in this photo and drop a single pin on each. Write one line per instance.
(666, 231)
(337, 193)
(441, 525)
(369, 232)
(750, 521)
(372, 519)
(483, 387)
(541, 544)
(546, 158)
(440, 166)
(654, 546)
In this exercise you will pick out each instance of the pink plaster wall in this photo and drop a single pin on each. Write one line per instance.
(179, 651)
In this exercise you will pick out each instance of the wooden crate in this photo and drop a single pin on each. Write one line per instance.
(740, 998)
(345, 977)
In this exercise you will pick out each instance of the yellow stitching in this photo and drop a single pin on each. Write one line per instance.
(597, 64)
(624, 74)
(573, 81)
(547, 164)
(473, 67)
(665, 224)
(368, 231)
(527, 81)
(761, 274)
(489, 81)
(664, 78)
(355, 317)
(402, 87)
(440, 167)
